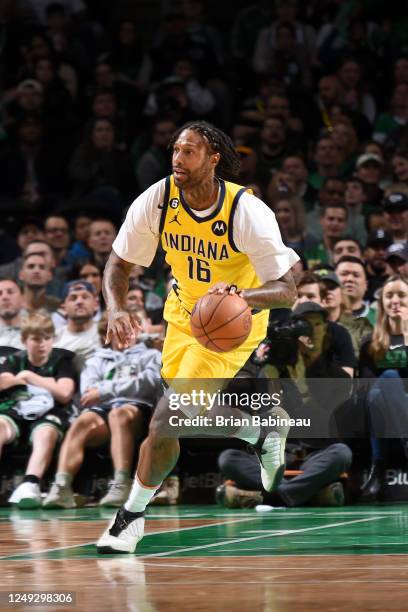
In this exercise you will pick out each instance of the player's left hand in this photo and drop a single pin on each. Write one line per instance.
(222, 287)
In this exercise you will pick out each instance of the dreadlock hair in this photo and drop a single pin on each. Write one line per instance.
(229, 165)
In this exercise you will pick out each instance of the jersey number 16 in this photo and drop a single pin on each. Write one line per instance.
(199, 269)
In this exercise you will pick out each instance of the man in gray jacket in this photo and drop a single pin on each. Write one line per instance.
(119, 389)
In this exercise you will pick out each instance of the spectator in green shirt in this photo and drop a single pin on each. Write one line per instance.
(333, 220)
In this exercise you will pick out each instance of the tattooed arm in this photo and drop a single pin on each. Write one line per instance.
(122, 325)
(280, 293)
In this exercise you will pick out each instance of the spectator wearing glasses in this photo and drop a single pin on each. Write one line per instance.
(56, 231)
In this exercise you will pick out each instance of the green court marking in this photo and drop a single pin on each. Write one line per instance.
(263, 536)
(291, 531)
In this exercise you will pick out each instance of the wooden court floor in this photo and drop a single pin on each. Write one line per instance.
(204, 558)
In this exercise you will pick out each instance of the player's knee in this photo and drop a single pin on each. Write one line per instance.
(159, 429)
(160, 424)
(155, 428)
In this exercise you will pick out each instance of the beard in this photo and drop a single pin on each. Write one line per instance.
(83, 318)
(36, 286)
(8, 315)
(378, 266)
(182, 184)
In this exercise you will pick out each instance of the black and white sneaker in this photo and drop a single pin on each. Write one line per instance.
(124, 532)
(270, 450)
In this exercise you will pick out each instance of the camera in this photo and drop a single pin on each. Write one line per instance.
(280, 347)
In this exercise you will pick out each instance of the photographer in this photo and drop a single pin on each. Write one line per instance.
(298, 351)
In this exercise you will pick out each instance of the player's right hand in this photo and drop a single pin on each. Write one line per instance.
(124, 326)
(222, 287)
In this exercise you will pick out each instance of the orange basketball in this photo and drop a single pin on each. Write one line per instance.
(221, 321)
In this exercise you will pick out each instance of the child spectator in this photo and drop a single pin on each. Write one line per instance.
(37, 386)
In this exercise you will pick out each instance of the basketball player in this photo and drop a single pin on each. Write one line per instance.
(217, 238)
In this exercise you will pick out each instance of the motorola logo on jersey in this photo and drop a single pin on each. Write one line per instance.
(219, 228)
(174, 202)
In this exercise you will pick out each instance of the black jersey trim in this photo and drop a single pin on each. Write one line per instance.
(177, 292)
(165, 204)
(213, 214)
(231, 219)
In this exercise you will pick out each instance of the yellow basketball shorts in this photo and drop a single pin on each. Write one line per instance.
(185, 358)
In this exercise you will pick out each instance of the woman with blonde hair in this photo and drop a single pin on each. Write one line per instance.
(291, 217)
(384, 356)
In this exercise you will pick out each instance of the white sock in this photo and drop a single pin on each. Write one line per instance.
(139, 496)
(249, 433)
(64, 479)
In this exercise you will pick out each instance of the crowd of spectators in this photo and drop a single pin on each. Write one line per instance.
(315, 98)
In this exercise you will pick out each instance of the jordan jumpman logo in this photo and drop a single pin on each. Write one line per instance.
(174, 219)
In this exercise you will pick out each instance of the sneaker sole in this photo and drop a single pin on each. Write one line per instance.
(106, 548)
(28, 503)
(276, 479)
(279, 475)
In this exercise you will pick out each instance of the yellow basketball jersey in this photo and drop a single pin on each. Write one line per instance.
(201, 250)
